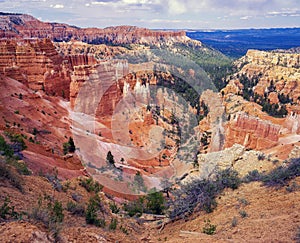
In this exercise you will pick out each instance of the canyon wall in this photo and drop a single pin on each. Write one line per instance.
(252, 132)
(107, 82)
(95, 88)
(26, 26)
(37, 64)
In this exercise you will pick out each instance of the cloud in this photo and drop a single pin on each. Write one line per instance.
(176, 7)
(285, 12)
(162, 13)
(57, 6)
(245, 17)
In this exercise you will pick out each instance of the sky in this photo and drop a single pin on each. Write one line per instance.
(163, 14)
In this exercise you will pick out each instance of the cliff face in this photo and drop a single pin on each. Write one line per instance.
(35, 63)
(252, 133)
(98, 51)
(96, 88)
(26, 26)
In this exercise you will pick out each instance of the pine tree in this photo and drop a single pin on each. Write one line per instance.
(110, 158)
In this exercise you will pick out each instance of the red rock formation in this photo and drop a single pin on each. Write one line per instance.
(95, 88)
(35, 63)
(79, 60)
(26, 26)
(252, 133)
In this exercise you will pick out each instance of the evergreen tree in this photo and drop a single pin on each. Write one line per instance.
(110, 158)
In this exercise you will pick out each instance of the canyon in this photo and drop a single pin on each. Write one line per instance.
(127, 92)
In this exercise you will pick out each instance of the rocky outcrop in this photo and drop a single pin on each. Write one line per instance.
(95, 88)
(26, 26)
(289, 60)
(107, 83)
(38, 64)
(101, 51)
(81, 60)
(292, 123)
(35, 63)
(236, 157)
(252, 132)
(279, 68)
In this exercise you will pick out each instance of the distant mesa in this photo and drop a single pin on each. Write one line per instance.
(26, 26)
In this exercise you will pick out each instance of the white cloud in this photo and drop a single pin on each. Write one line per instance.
(285, 12)
(98, 3)
(161, 13)
(245, 17)
(57, 6)
(176, 7)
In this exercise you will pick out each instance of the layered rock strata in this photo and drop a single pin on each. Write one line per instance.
(252, 132)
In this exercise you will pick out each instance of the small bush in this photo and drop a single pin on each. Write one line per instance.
(56, 212)
(201, 194)
(35, 131)
(7, 211)
(297, 236)
(69, 147)
(76, 197)
(209, 228)
(76, 208)
(5, 148)
(91, 214)
(243, 201)
(21, 166)
(9, 173)
(155, 203)
(17, 140)
(261, 157)
(114, 208)
(124, 230)
(228, 178)
(253, 175)
(234, 222)
(51, 215)
(135, 208)
(243, 213)
(293, 187)
(90, 185)
(113, 224)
